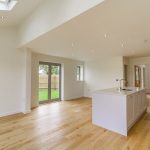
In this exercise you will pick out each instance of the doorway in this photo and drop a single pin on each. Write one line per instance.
(140, 75)
(125, 75)
(49, 82)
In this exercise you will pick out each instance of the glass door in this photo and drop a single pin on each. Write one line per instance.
(49, 82)
(43, 82)
(55, 82)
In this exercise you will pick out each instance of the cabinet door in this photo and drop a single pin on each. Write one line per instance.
(144, 101)
(130, 110)
(136, 106)
(140, 103)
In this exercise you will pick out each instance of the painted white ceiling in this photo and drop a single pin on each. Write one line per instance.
(115, 27)
(19, 12)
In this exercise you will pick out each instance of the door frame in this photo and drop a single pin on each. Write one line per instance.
(49, 81)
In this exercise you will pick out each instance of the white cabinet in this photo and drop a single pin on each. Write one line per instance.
(140, 94)
(116, 110)
(139, 104)
(130, 109)
(136, 105)
(144, 101)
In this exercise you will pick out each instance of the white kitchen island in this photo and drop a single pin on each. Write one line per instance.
(118, 110)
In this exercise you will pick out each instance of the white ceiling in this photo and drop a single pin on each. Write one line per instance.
(115, 27)
(19, 12)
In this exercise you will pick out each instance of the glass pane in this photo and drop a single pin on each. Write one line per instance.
(55, 82)
(3, 0)
(78, 73)
(43, 82)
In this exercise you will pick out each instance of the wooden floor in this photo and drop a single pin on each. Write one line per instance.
(67, 126)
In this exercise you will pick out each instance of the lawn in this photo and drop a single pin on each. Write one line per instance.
(43, 94)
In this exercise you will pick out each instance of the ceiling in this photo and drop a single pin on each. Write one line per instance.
(19, 12)
(115, 27)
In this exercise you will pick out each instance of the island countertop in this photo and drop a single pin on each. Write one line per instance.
(128, 91)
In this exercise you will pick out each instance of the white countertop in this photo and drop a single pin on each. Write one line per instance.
(118, 92)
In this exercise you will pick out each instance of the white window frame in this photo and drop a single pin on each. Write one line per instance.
(80, 78)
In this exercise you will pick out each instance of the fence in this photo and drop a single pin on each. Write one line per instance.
(43, 81)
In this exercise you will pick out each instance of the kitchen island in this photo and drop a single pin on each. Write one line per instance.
(118, 110)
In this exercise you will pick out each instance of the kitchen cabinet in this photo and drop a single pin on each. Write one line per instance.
(117, 110)
(136, 105)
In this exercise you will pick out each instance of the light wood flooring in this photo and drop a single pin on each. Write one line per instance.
(67, 126)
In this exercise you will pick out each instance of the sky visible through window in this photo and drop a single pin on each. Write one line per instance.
(3, 1)
(7, 5)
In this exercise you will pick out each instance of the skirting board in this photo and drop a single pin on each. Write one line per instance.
(26, 112)
(87, 97)
(9, 113)
(78, 98)
(14, 112)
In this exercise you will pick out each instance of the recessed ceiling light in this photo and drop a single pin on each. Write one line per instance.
(123, 44)
(106, 35)
(2, 18)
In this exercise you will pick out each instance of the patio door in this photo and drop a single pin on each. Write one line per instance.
(49, 82)
(55, 82)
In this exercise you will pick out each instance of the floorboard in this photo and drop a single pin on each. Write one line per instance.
(67, 126)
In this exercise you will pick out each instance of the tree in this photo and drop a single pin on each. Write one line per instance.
(55, 70)
(45, 69)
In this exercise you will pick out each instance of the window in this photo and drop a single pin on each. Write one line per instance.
(4, 1)
(7, 4)
(79, 73)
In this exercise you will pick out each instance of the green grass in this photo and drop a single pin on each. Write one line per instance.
(43, 94)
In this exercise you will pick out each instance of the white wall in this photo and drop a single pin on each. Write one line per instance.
(102, 74)
(15, 76)
(51, 14)
(12, 69)
(71, 87)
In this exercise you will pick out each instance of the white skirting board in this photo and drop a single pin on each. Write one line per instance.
(14, 112)
(10, 113)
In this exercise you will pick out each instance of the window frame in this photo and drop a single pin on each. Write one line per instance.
(79, 73)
